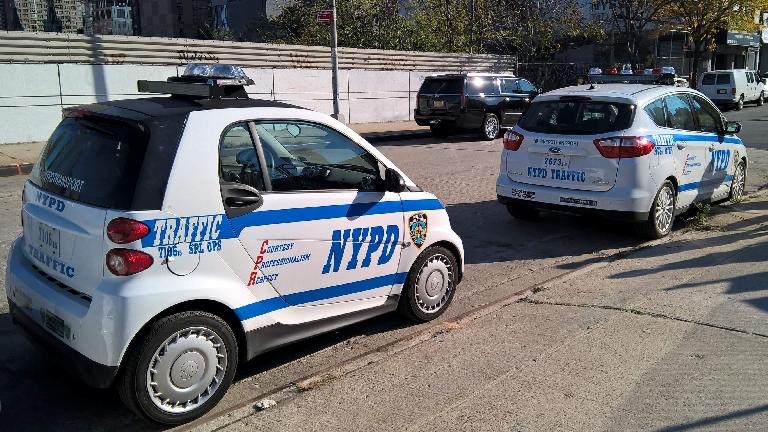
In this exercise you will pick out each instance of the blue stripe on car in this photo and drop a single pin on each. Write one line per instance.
(263, 307)
(697, 185)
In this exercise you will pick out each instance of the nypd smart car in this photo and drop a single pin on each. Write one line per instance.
(167, 239)
(640, 153)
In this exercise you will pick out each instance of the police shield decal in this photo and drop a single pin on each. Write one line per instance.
(417, 226)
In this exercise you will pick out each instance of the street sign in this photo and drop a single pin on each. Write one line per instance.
(325, 16)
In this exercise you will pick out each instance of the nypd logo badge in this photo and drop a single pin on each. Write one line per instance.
(417, 226)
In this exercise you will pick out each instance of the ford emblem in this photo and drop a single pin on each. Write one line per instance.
(555, 150)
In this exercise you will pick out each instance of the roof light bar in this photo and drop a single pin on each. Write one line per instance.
(203, 80)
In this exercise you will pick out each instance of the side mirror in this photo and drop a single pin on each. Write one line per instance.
(732, 127)
(393, 181)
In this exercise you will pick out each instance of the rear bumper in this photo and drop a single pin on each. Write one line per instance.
(94, 373)
(458, 120)
(632, 205)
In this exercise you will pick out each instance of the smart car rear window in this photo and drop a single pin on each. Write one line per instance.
(442, 86)
(577, 117)
(93, 160)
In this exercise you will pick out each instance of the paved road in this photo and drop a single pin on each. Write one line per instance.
(503, 256)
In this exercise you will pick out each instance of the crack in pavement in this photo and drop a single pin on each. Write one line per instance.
(641, 313)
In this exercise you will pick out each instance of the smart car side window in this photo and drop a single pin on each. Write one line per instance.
(238, 160)
(679, 114)
(303, 156)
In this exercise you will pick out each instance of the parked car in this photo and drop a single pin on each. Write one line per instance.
(733, 87)
(631, 152)
(166, 239)
(485, 102)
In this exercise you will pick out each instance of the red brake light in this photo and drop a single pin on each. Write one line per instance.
(512, 141)
(124, 262)
(623, 147)
(123, 230)
(733, 91)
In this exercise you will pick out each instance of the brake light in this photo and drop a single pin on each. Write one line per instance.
(733, 91)
(124, 262)
(623, 147)
(512, 140)
(124, 230)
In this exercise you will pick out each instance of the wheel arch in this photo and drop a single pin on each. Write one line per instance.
(204, 305)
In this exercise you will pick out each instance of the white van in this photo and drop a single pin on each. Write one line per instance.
(733, 87)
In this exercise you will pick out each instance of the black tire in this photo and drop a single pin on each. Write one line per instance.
(761, 99)
(651, 228)
(490, 128)
(440, 130)
(523, 213)
(740, 103)
(411, 306)
(739, 182)
(133, 381)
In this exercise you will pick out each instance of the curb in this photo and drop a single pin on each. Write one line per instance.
(15, 169)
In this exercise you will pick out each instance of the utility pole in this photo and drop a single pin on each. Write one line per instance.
(335, 67)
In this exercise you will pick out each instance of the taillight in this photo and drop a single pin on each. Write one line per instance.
(623, 147)
(512, 140)
(733, 91)
(124, 262)
(124, 230)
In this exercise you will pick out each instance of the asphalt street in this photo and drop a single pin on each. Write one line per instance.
(503, 257)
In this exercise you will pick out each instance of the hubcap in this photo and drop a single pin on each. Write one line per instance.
(739, 182)
(186, 370)
(492, 127)
(434, 284)
(665, 209)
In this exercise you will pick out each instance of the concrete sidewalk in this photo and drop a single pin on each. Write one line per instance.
(16, 159)
(671, 337)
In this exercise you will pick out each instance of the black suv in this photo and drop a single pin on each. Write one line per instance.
(479, 101)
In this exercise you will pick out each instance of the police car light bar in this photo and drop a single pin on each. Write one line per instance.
(211, 81)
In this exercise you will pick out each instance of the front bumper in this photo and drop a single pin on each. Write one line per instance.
(76, 329)
(618, 203)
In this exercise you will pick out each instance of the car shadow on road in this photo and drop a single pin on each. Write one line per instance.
(491, 235)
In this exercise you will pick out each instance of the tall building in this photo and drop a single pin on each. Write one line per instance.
(112, 17)
(173, 18)
(50, 15)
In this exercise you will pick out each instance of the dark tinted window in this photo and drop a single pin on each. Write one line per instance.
(655, 109)
(709, 116)
(526, 86)
(750, 78)
(238, 161)
(576, 117)
(679, 112)
(307, 156)
(509, 86)
(442, 86)
(723, 79)
(482, 86)
(709, 79)
(94, 161)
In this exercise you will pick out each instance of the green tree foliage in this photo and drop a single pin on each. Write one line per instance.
(533, 29)
(703, 19)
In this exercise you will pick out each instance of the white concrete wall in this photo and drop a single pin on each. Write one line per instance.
(33, 95)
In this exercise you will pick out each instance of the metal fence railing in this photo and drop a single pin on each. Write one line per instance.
(27, 47)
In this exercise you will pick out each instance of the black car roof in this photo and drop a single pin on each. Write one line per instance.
(164, 106)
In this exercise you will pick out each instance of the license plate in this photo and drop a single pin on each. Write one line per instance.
(438, 104)
(56, 325)
(722, 91)
(48, 239)
(561, 162)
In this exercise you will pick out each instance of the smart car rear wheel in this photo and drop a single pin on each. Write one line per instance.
(490, 127)
(662, 214)
(430, 285)
(181, 369)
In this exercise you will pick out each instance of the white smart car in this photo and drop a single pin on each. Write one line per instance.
(641, 153)
(167, 239)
